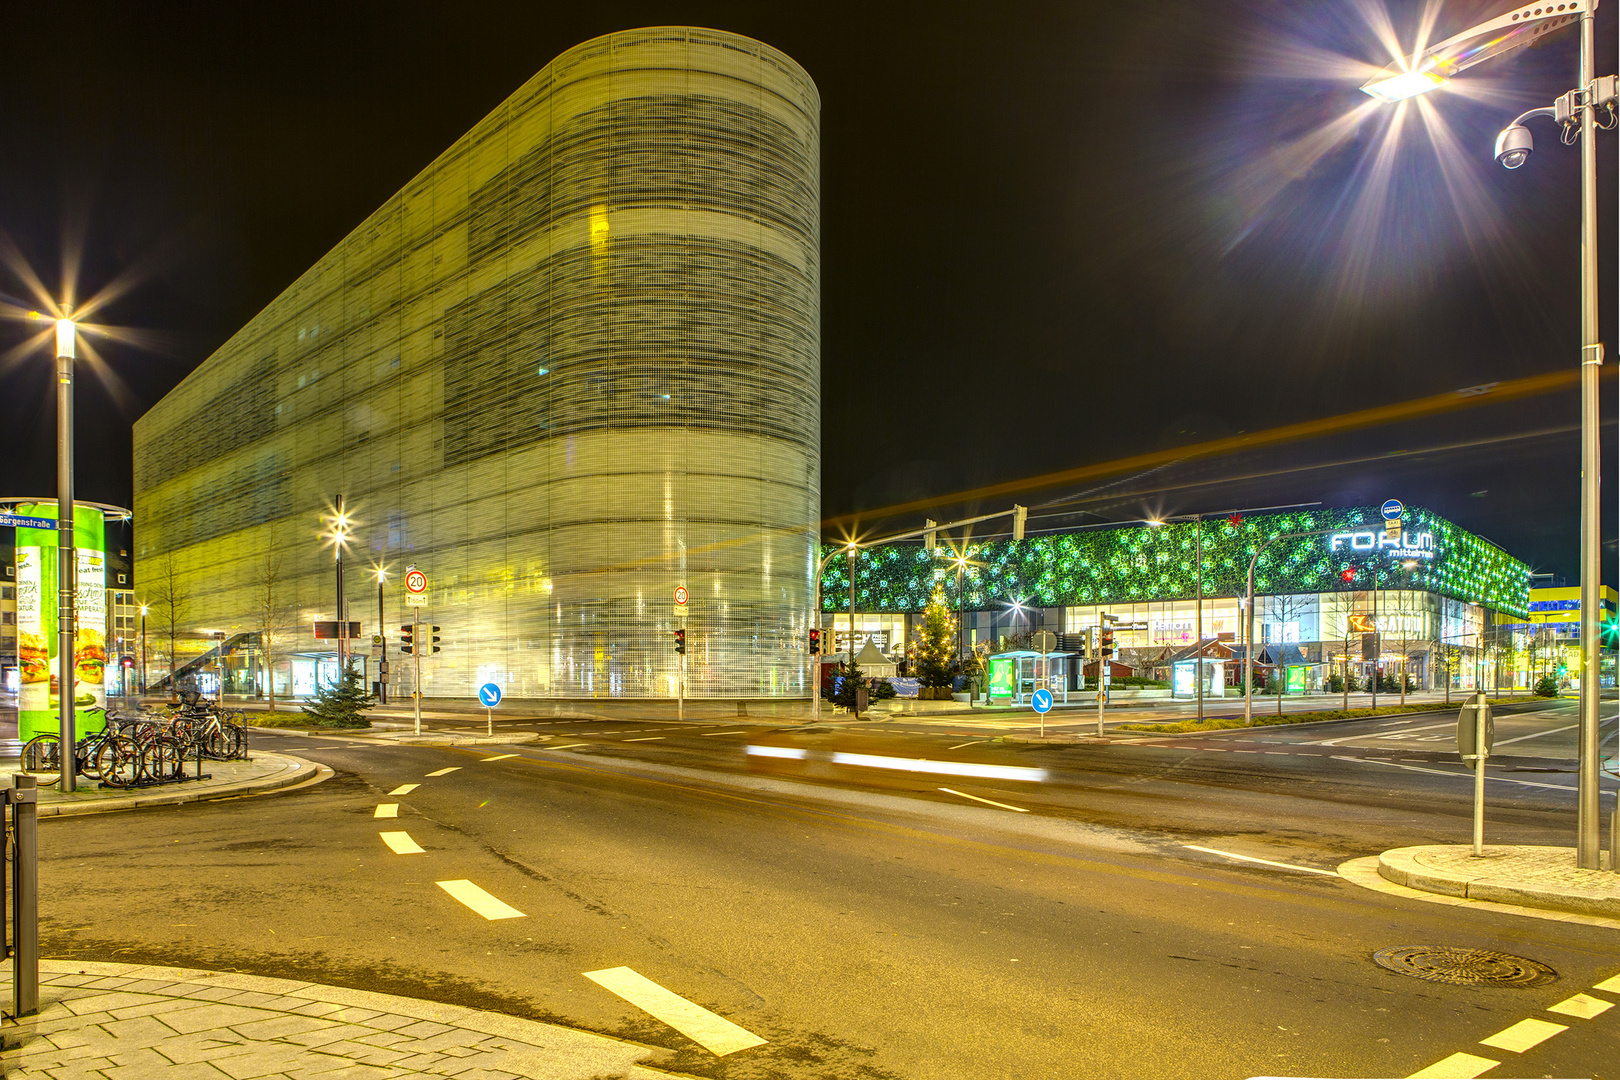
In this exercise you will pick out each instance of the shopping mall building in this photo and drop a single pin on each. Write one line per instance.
(571, 366)
(1333, 588)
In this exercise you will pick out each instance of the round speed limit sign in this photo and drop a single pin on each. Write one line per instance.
(416, 581)
(680, 596)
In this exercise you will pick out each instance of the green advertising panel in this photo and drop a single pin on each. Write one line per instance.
(1001, 676)
(1296, 679)
(39, 699)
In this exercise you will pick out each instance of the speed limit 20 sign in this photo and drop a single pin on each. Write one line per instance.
(415, 588)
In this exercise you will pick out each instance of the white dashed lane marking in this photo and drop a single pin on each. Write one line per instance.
(1522, 1036)
(1264, 862)
(400, 843)
(479, 900)
(959, 746)
(1456, 1067)
(1609, 986)
(646, 738)
(975, 798)
(711, 1031)
(387, 809)
(498, 757)
(443, 772)
(570, 746)
(712, 734)
(404, 789)
(1582, 1006)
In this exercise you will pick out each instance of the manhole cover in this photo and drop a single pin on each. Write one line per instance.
(1465, 967)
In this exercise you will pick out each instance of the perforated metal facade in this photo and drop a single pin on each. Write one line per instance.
(574, 363)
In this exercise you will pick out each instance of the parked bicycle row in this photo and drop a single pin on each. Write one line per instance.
(154, 747)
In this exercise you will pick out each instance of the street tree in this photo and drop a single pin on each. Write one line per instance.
(168, 603)
(935, 663)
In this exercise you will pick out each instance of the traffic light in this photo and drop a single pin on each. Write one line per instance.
(815, 642)
(1105, 647)
(1609, 632)
(406, 639)
(1020, 516)
(434, 640)
(680, 641)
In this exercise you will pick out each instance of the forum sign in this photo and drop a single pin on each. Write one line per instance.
(1406, 545)
(38, 643)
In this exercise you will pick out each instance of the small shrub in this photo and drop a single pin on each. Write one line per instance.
(1546, 686)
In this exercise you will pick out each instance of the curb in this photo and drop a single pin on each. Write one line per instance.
(304, 771)
(1364, 872)
(1401, 867)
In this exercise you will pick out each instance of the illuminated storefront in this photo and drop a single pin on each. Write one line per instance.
(1431, 596)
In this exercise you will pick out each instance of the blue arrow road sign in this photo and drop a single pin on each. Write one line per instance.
(1042, 700)
(1392, 510)
(27, 522)
(489, 695)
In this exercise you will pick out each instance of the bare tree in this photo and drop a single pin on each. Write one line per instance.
(270, 614)
(1282, 607)
(168, 601)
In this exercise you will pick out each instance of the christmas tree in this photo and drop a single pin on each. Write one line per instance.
(935, 666)
(339, 705)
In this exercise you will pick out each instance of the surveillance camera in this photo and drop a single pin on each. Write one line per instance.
(1513, 146)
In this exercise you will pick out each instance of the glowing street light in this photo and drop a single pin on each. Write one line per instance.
(1576, 112)
(66, 561)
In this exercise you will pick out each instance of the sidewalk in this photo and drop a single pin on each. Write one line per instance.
(129, 1022)
(1539, 881)
(261, 772)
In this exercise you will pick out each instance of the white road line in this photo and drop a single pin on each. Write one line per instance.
(400, 843)
(713, 1032)
(1609, 986)
(1369, 735)
(1522, 1036)
(975, 798)
(387, 809)
(443, 772)
(712, 734)
(498, 757)
(646, 738)
(404, 789)
(479, 900)
(1535, 735)
(1266, 862)
(945, 768)
(959, 745)
(1456, 1067)
(1458, 775)
(1582, 1006)
(570, 746)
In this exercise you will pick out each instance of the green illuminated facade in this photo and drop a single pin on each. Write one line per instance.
(1141, 563)
(1439, 597)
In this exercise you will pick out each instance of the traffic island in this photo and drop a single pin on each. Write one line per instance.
(261, 772)
(160, 1021)
(1521, 879)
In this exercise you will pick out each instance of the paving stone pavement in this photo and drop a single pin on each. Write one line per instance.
(133, 1022)
(1537, 877)
(262, 772)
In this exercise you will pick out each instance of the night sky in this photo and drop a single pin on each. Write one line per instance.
(1053, 234)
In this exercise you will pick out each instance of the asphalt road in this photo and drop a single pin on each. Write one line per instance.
(865, 921)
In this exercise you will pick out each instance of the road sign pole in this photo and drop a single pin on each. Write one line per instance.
(416, 663)
(1481, 710)
(1102, 693)
(680, 685)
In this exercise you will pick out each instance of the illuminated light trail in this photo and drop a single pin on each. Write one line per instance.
(1451, 401)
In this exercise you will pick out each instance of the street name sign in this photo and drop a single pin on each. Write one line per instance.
(19, 522)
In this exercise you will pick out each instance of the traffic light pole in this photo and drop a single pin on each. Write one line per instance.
(416, 664)
(680, 679)
(1102, 697)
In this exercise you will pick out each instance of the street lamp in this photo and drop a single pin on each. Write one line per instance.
(66, 565)
(143, 650)
(1575, 109)
(382, 636)
(339, 525)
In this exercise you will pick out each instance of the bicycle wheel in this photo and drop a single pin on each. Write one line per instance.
(42, 755)
(165, 759)
(116, 760)
(87, 754)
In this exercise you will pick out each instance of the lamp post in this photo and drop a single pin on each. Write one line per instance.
(143, 650)
(66, 565)
(339, 536)
(382, 636)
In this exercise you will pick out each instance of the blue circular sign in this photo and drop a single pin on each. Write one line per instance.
(1042, 700)
(489, 695)
(1392, 510)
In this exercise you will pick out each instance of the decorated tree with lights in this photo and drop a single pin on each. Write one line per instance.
(935, 665)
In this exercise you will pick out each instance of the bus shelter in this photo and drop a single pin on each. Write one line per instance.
(1016, 675)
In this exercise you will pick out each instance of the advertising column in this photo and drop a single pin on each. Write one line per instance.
(38, 704)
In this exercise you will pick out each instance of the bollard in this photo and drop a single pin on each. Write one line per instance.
(24, 799)
(1614, 839)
